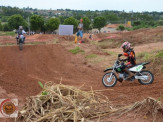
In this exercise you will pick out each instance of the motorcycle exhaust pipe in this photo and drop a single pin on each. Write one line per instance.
(141, 77)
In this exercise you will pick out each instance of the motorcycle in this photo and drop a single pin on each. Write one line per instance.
(20, 41)
(144, 77)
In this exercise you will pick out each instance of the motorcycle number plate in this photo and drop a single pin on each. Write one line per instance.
(136, 68)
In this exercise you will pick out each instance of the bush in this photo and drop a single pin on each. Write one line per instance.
(143, 24)
(150, 23)
(129, 29)
(121, 28)
(136, 23)
(160, 22)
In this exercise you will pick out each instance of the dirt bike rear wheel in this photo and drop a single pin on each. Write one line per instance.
(109, 79)
(149, 80)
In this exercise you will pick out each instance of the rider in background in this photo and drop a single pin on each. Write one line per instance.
(20, 32)
(131, 59)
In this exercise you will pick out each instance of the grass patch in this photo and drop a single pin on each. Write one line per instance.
(159, 54)
(96, 60)
(91, 56)
(144, 56)
(104, 44)
(36, 43)
(155, 59)
(111, 53)
(9, 44)
(10, 33)
(149, 56)
(109, 43)
(55, 41)
(76, 50)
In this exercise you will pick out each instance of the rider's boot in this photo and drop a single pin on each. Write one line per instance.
(120, 79)
(131, 76)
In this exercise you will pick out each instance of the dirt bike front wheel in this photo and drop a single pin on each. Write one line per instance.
(109, 79)
(149, 75)
(20, 46)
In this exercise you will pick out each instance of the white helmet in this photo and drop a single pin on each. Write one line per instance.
(21, 27)
(126, 45)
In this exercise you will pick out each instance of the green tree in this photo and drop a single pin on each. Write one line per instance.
(6, 27)
(150, 23)
(99, 22)
(11, 11)
(36, 22)
(44, 28)
(146, 17)
(89, 14)
(160, 22)
(112, 18)
(71, 21)
(4, 18)
(86, 23)
(0, 26)
(15, 21)
(52, 24)
(62, 18)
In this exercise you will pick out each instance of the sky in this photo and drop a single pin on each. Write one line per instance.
(120, 5)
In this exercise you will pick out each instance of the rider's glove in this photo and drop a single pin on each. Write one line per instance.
(119, 55)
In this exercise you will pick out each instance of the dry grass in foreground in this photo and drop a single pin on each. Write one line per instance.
(64, 103)
(61, 103)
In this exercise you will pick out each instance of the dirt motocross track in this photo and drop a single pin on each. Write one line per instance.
(20, 72)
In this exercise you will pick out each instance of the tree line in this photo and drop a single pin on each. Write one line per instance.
(38, 23)
(13, 17)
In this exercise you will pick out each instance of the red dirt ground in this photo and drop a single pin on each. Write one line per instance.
(20, 72)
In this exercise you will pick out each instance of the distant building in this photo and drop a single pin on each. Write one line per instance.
(110, 28)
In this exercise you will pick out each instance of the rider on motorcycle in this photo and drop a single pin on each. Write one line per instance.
(131, 60)
(20, 32)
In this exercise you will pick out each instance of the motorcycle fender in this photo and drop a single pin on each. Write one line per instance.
(108, 69)
(137, 68)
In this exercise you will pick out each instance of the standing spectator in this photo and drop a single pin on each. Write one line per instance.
(90, 36)
(80, 30)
